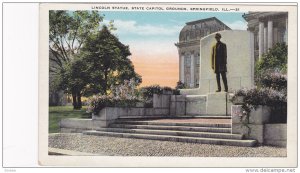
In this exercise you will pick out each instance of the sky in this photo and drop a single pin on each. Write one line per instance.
(151, 37)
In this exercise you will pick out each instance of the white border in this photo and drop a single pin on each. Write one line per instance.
(105, 161)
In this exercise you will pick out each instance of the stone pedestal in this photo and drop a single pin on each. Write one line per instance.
(216, 103)
(196, 104)
(178, 105)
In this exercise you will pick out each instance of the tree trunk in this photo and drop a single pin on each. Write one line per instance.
(75, 105)
(105, 81)
(79, 103)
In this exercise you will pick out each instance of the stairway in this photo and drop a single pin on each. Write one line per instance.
(204, 133)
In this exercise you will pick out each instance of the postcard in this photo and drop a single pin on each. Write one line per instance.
(168, 85)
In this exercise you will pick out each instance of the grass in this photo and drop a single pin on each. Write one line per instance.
(56, 113)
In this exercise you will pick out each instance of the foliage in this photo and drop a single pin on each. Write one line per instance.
(127, 95)
(148, 91)
(123, 95)
(265, 96)
(276, 81)
(271, 80)
(98, 62)
(68, 31)
(240, 92)
(127, 90)
(73, 76)
(275, 60)
(255, 97)
(167, 89)
(180, 85)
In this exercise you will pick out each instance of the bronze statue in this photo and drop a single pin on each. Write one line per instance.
(219, 61)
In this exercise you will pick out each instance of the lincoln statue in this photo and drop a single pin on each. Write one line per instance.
(219, 62)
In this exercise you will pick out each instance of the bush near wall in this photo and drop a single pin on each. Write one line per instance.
(127, 95)
(275, 60)
(254, 97)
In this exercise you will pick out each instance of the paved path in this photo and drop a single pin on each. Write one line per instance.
(112, 146)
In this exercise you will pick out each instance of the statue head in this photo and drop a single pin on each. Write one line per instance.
(218, 36)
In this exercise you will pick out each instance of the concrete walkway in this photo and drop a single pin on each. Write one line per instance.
(139, 147)
(57, 151)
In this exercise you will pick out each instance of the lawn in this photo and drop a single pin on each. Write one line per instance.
(56, 113)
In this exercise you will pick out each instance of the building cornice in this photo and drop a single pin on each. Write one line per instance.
(187, 43)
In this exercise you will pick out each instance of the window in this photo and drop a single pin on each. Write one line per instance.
(188, 61)
(197, 56)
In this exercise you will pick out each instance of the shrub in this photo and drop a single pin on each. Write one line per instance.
(166, 88)
(180, 85)
(264, 96)
(276, 81)
(276, 100)
(125, 91)
(123, 95)
(275, 60)
(148, 91)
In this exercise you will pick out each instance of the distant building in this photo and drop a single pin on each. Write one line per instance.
(269, 28)
(189, 47)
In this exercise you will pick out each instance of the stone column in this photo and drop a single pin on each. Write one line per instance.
(270, 34)
(261, 39)
(182, 68)
(265, 39)
(275, 35)
(192, 84)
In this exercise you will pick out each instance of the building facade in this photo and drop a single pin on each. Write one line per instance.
(189, 48)
(268, 28)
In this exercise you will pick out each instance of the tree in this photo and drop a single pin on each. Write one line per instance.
(108, 62)
(73, 79)
(68, 31)
(275, 60)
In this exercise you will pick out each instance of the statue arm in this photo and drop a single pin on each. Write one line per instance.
(212, 58)
(225, 53)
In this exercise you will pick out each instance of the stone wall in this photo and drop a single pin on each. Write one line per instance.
(258, 127)
(275, 134)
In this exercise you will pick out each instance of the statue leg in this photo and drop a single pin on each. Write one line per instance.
(225, 81)
(218, 82)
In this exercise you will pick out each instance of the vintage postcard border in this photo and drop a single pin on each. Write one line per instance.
(106, 161)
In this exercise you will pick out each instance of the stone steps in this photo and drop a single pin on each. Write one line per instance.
(174, 133)
(231, 142)
(187, 130)
(173, 124)
(176, 128)
(176, 117)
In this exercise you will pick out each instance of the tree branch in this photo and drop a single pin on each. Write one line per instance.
(75, 34)
(55, 54)
(61, 51)
(67, 42)
(64, 50)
